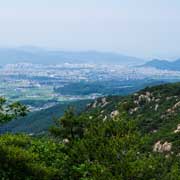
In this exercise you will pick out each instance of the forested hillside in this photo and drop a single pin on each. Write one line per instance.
(38, 122)
(115, 138)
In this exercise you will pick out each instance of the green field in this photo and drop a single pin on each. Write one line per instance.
(18, 91)
(21, 92)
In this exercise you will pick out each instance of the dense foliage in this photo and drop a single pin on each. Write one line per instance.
(40, 121)
(113, 139)
(11, 111)
(113, 87)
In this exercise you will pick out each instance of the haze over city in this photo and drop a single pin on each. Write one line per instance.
(145, 29)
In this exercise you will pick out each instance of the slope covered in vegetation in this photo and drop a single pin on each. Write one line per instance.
(132, 137)
(40, 121)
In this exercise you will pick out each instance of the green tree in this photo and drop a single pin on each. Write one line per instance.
(69, 126)
(9, 111)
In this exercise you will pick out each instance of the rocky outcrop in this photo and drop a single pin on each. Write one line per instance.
(177, 105)
(105, 118)
(178, 129)
(94, 105)
(174, 108)
(162, 147)
(156, 107)
(144, 98)
(114, 114)
(134, 110)
(66, 141)
(104, 102)
(100, 103)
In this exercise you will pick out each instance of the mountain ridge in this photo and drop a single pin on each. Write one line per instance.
(43, 56)
(164, 64)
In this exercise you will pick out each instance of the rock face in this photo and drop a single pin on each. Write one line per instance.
(100, 103)
(144, 98)
(94, 105)
(178, 129)
(104, 102)
(162, 147)
(156, 107)
(66, 141)
(177, 105)
(134, 110)
(114, 114)
(174, 108)
(105, 118)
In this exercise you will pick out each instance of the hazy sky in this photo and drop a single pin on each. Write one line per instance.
(143, 28)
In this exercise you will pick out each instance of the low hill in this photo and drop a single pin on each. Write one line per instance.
(164, 64)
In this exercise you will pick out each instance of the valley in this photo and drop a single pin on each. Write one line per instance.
(51, 84)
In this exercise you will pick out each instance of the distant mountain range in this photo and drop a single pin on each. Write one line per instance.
(43, 56)
(164, 64)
